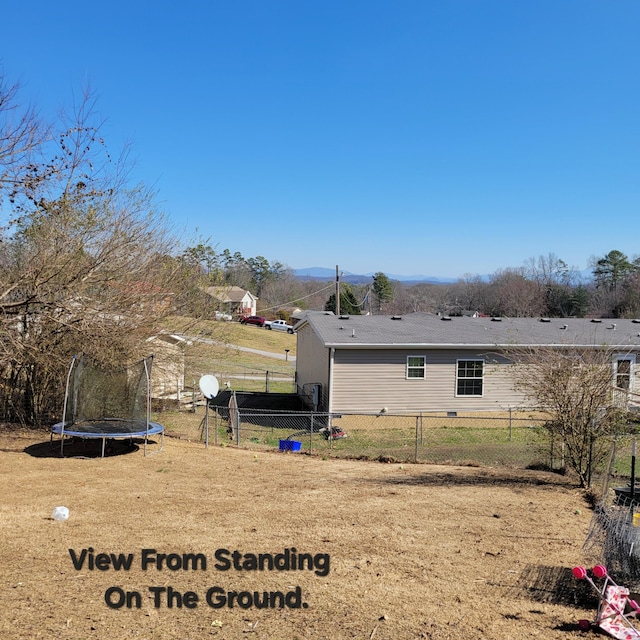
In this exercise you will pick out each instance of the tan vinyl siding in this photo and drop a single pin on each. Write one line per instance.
(370, 370)
(312, 362)
(368, 380)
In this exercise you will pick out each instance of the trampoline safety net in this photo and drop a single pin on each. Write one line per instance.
(96, 392)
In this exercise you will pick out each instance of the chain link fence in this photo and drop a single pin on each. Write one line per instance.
(508, 438)
(614, 535)
(241, 378)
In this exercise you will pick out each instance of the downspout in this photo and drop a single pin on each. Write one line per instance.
(332, 353)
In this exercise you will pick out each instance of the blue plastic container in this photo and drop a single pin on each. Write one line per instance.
(290, 445)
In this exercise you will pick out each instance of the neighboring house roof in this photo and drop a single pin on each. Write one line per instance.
(302, 314)
(292, 311)
(422, 330)
(169, 338)
(229, 294)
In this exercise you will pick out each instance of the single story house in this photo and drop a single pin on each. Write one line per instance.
(289, 312)
(425, 362)
(234, 300)
(167, 372)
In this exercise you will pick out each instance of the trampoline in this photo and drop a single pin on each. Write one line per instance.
(107, 404)
(109, 428)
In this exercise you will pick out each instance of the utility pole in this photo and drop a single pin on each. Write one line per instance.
(337, 291)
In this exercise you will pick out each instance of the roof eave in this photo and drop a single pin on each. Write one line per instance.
(424, 345)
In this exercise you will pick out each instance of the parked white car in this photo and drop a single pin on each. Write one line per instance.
(223, 316)
(280, 325)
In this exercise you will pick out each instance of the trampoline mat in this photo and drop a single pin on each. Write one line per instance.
(108, 428)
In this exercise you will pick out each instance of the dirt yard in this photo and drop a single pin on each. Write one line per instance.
(358, 549)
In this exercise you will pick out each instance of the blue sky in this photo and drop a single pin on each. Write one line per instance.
(440, 138)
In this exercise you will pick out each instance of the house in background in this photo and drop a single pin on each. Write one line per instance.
(289, 313)
(168, 370)
(424, 362)
(234, 300)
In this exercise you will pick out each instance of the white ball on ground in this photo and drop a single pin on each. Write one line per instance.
(60, 513)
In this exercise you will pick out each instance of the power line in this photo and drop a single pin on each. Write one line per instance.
(283, 304)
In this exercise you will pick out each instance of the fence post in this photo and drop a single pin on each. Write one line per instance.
(311, 434)
(206, 422)
(590, 465)
(415, 453)
(266, 385)
(510, 424)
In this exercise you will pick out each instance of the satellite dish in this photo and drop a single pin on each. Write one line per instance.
(209, 386)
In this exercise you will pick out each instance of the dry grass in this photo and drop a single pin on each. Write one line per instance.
(415, 551)
(237, 353)
(236, 334)
(440, 420)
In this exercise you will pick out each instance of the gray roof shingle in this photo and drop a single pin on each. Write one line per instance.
(432, 331)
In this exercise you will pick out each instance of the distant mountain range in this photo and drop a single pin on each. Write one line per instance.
(323, 273)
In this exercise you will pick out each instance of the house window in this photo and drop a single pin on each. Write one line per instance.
(469, 377)
(623, 372)
(416, 366)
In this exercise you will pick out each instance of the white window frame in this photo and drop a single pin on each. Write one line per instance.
(422, 368)
(617, 357)
(481, 378)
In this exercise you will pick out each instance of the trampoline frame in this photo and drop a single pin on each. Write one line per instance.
(66, 429)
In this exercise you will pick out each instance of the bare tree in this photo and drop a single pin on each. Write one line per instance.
(82, 268)
(468, 292)
(575, 386)
(514, 295)
(283, 290)
(22, 135)
(424, 297)
(402, 299)
(549, 270)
